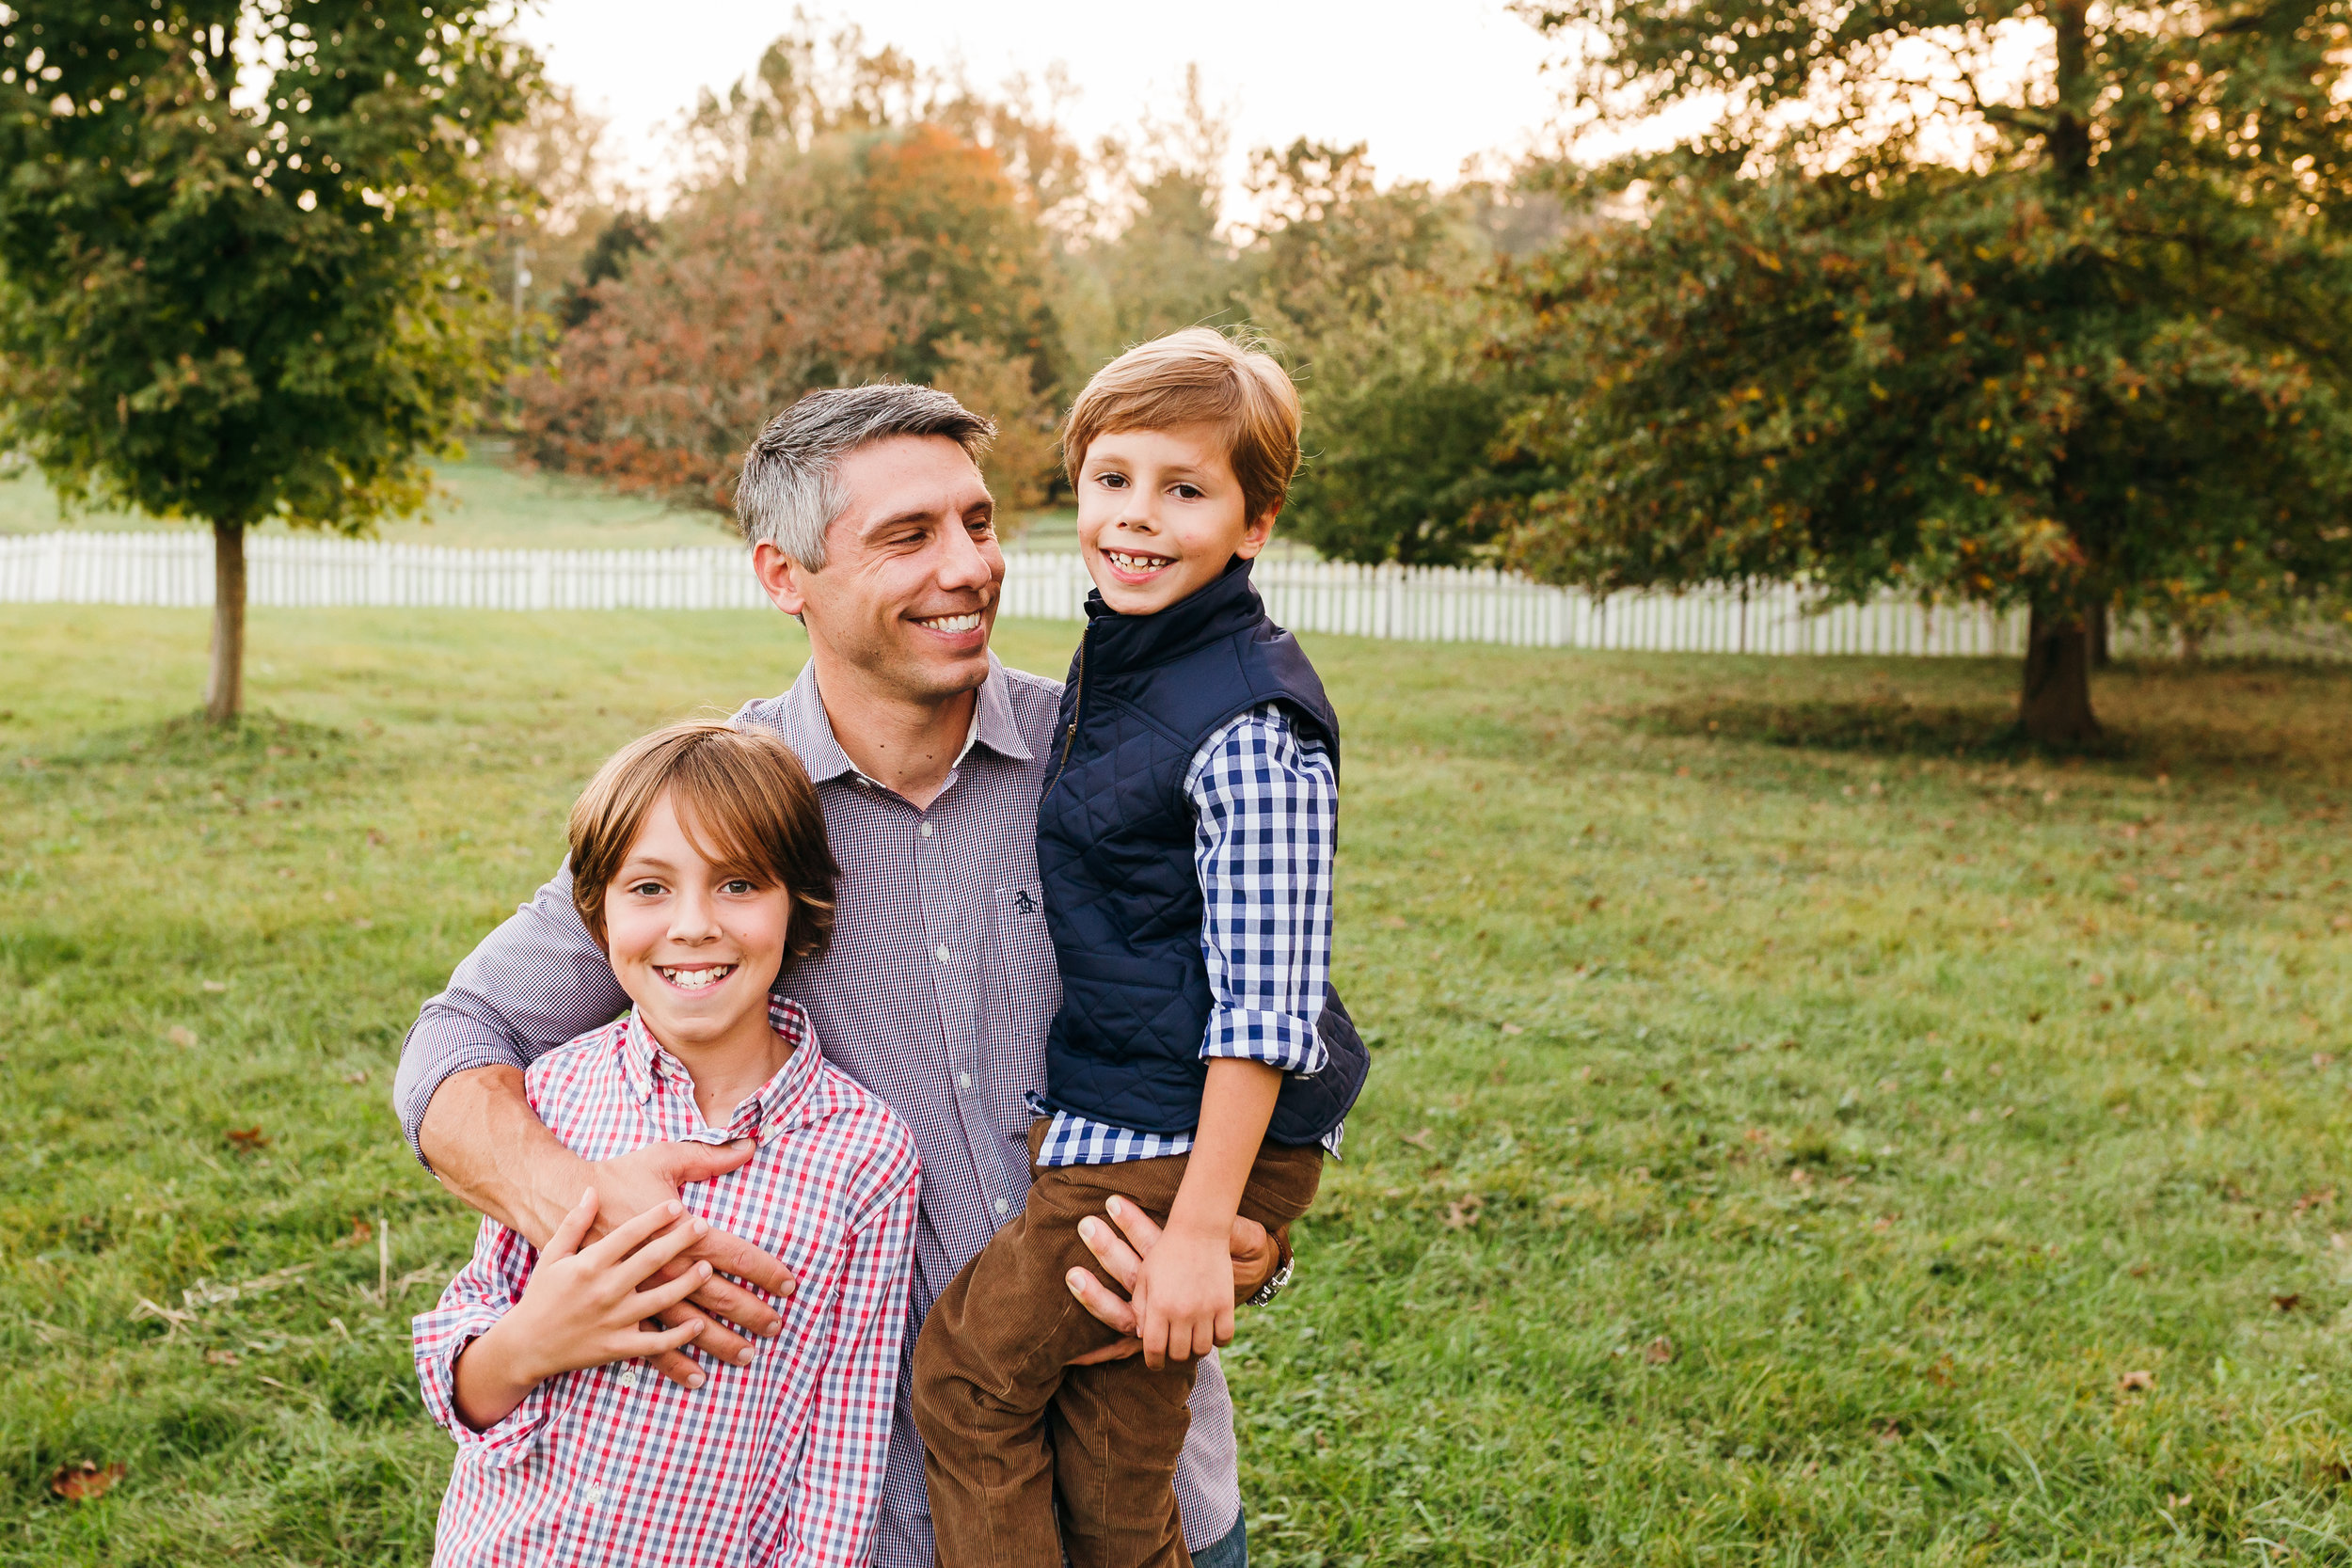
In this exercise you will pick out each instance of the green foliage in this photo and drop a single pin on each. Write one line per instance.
(851, 218)
(1912, 1099)
(235, 303)
(2085, 340)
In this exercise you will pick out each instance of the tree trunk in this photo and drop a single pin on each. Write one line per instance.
(2102, 654)
(224, 689)
(2055, 706)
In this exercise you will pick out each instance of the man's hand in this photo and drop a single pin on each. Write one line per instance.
(1255, 1256)
(582, 1307)
(488, 1148)
(647, 1179)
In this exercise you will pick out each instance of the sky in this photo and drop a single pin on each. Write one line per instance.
(1426, 86)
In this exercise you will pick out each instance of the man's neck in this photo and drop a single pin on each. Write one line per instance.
(904, 744)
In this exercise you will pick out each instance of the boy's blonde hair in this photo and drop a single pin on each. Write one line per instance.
(742, 798)
(1196, 376)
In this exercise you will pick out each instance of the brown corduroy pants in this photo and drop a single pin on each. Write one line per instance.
(1010, 1426)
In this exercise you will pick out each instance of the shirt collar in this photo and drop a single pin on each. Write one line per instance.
(808, 729)
(774, 1107)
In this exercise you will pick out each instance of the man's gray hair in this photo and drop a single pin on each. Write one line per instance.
(791, 491)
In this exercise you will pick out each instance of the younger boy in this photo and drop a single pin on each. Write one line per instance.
(699, 859)
(1198, 1066)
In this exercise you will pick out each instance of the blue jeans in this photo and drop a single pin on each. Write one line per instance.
(1232, 1551)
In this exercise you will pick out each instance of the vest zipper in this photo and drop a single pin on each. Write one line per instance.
(1078, 701)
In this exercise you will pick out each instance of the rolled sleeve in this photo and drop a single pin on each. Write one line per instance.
(538, 981)
(1266, 801)
(482, 1293)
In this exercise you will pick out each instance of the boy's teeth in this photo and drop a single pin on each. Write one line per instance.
(1135, 562)
(695, 979)
(955, 623)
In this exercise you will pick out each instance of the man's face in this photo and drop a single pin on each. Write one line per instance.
(1160, 515)
(913, 570)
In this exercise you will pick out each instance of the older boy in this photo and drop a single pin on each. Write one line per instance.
(1185, 842)
(700, 862)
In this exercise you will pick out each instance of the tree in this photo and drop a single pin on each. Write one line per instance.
(751, 296)
(2013, 301)
(849, 218)
(1383, 301)
(240, 277)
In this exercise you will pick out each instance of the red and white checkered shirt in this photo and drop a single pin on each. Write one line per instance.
(775, 1463)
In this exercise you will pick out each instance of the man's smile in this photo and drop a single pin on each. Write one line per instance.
(967, 620)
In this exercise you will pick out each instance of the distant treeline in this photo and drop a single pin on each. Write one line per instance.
(847, 216)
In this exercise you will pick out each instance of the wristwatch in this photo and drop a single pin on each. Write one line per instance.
(1275, 1281)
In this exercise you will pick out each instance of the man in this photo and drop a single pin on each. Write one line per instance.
(871, 524)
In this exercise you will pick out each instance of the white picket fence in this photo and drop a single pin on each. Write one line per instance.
(1413, 602)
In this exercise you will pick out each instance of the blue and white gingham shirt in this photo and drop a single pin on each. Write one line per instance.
(1268, 802)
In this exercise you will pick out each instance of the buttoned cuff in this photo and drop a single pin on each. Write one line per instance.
(1283, 1041)
(442, 1335)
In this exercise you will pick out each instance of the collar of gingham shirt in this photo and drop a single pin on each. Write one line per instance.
(1266, 802)
(777, 1462)
(935, 994)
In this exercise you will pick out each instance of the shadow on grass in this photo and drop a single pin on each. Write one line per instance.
(189, 740)
(1888, 725)
(2222, 726)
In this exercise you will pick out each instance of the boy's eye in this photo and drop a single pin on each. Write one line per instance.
(1188, 492)
(737, 886)
(1111, 482)
(648, 890)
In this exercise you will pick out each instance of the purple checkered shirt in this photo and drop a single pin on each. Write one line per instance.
(935, 995)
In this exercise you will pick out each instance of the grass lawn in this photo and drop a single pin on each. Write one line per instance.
(1801, 1130)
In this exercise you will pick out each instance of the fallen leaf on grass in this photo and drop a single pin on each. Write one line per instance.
(361, 1234)
(275, 1384)
(1419, 1140)
(223, 1357)
(2341, 923)
(1514, 1029)
(2324, 1197)
(181, 1035)
(244, 1140)
(1461, 1214)
(2287, 1302)
(357, 1075)
(215, 986)
(2132, 1383)
(86, 1481)
(1658, 1350)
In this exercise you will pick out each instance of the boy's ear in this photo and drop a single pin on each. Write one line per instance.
(1260, 530)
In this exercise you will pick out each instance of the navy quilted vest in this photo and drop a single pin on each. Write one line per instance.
(1115, 844)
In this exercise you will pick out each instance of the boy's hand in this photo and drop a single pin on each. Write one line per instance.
(1121, 1243)
(1184, 1296)
(583, 1307)
(644, 1179)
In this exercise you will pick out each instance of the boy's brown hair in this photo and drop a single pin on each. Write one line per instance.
(1196, 376)
(743, 800)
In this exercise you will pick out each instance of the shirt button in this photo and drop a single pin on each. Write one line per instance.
(629, 1380)
(1002, 1206)
(926, 829)
(591, 1492)
(941, 953)
(963, 1079)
